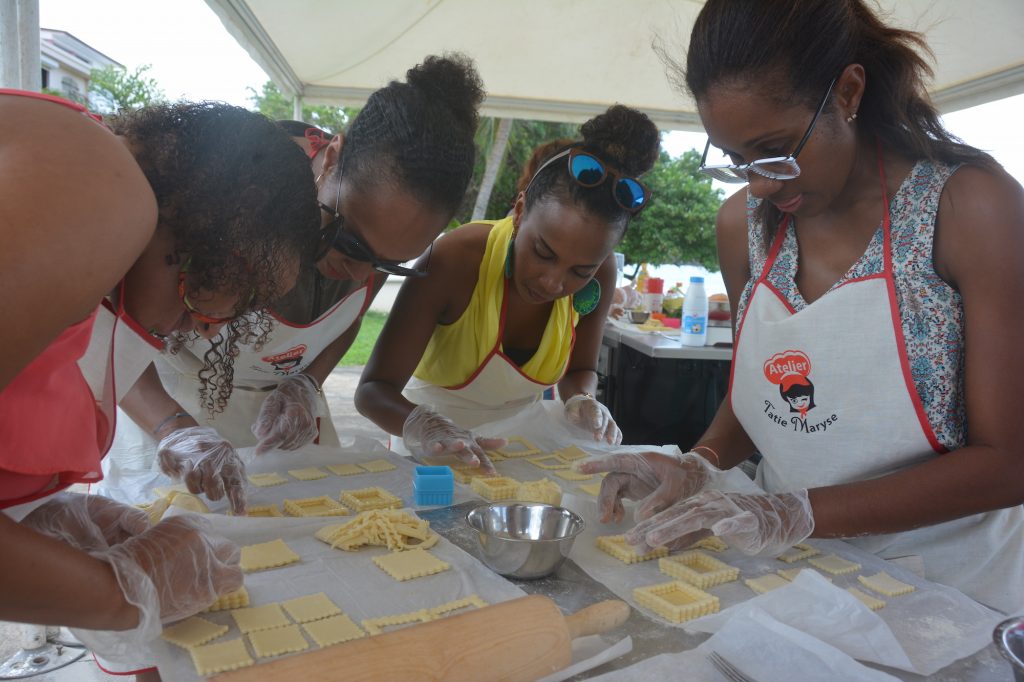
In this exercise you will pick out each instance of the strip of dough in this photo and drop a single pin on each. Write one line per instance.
(263, 510)
(446, 609)
(798, 552)
(376, 626)
(308, 474)
(676, 601)
(267, 480)
(617, 547)
(231, 600)
(346, 469)
(570, 475)
(365, 499)
(315, 506)
(883, 583)
(698, 569)
(548, 462)
(834, 564)
(376, 466)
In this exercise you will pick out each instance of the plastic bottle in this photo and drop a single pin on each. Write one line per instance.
(695, 314)
(672, 304)
(654, 296)
(641, 279)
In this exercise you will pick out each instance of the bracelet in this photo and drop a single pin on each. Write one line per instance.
(718, 461)
(312, 380)
(168, 420)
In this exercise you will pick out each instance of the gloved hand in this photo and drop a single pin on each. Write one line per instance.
(88, 522)
(584, 412)
(207, 463)
(657, 479)
(426, 432)
(170, 571)
(287, 418)
(766, 524)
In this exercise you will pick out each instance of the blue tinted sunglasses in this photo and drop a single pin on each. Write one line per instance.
(589, 171)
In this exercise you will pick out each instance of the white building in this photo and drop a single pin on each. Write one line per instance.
(66, 63)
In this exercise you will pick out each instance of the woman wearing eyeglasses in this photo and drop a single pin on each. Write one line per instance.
(116, 236)
(512, 307)
(874, 257)
(386, 189)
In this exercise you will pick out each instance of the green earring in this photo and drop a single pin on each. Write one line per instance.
(586, 299)
(509, 256)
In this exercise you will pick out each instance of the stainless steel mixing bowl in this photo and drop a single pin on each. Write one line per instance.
(521, 540)
(1009, 639)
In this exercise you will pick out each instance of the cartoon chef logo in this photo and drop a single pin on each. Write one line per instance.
(284, 362)
(790, 370)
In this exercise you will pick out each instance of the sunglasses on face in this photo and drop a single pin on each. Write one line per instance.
(196, 314)
(589, 171)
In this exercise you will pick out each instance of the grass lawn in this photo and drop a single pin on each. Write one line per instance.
(359, 353)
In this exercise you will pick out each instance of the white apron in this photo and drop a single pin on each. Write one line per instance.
(851, 412)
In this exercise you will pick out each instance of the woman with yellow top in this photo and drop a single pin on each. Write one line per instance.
(512, 307)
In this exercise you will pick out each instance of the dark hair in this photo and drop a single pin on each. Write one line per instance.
(238, 196)
(799, 46)
(541, 153)
(622, 137)
(418, 135)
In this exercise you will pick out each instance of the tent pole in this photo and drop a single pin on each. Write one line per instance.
(19, 45)
(297, 108)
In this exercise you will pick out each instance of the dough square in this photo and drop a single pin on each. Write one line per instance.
(188, 502)
(548, 462)
(414, 563)
(333, 630)
(376, 466)
(545, 490)
(518, 447)
(495, 488)
(570, 475)
(591, 488)
(448, 608)
(220, 657)
(468, 475)
(712, 543)
(798, 552)
(836, 565)
(192, 632)
(570, 453)
(790, 574)
(260, 617)
(883, 583)
(376, 626)
(277, 641)
(866, 599)
(766, 583)
(314, 506)
(231, 600)
(166, 490)
(267, 555)
(698, 569)
(308, 474)
(263, 510)
(676, 601)
(617, 547)
(370, 498)
(346, 469)
(311, 607)
(495, 456)
(267, 480)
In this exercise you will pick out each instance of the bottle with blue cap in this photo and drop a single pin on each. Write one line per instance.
(695, 314)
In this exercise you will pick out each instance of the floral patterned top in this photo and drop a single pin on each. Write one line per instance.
(931, 311)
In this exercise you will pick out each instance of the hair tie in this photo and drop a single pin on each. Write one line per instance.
(317, 139)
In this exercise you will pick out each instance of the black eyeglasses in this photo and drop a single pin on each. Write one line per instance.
(334, 236)
(589, 171)
(773, 168)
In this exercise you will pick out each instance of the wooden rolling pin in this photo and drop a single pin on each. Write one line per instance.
(519, 640)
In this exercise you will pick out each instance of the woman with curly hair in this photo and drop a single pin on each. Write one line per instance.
(512, 307)
(387, 187)
(176, 218)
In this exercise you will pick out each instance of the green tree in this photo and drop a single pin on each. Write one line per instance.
(679, 225)
(271, 103)
(112, 89)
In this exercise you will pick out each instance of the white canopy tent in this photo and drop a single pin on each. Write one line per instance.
(566, 60)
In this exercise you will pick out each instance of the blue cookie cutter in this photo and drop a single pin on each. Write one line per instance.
(433, 485)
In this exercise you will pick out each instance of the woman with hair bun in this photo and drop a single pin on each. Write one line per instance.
(878, 256)
(516, 305)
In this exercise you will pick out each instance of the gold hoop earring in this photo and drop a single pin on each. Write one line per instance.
(852, 117)
(318, 179)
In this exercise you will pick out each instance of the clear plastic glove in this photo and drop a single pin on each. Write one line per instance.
(287, 418)
(170, 571)
(657, 479)
(584, 412)
(426, 432)
(207, 463)
(88, 522)
(754, 524)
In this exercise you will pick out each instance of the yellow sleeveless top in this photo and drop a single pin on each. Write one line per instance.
(456, 351)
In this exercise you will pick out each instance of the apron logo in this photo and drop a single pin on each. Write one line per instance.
(288, 360)
(790, 371)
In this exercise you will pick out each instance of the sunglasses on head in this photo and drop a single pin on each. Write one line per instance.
(196, 314)
(589, 171)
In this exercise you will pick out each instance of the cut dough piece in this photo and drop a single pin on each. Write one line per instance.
(766, 583)
(260, 617)
(155, 510)
(188, 502)
(699, 569)
(376, 626)
(495, 488)
(333, 630)
(414, 563)
(346, 469)
(548, 462)
(866, 599)
(267, 555)
(570, 475)
(883, 583)
(376, 466)
(676, 601)
(591, 488)
(394, 529)
(518, 447)
(166, 490)
(267, 480)
(277, 641)
(220, 657)
(308, 474)
(467, 475)
(798, 552)
(192, 632)
(570, 453)
(545, 490)
(264, 510)
(790, 574)
(712, 543)
(311, 607)
(231, 600)
(448, 608)
(370, 498)
(617, 547)
(836, 565)
(315, 506)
